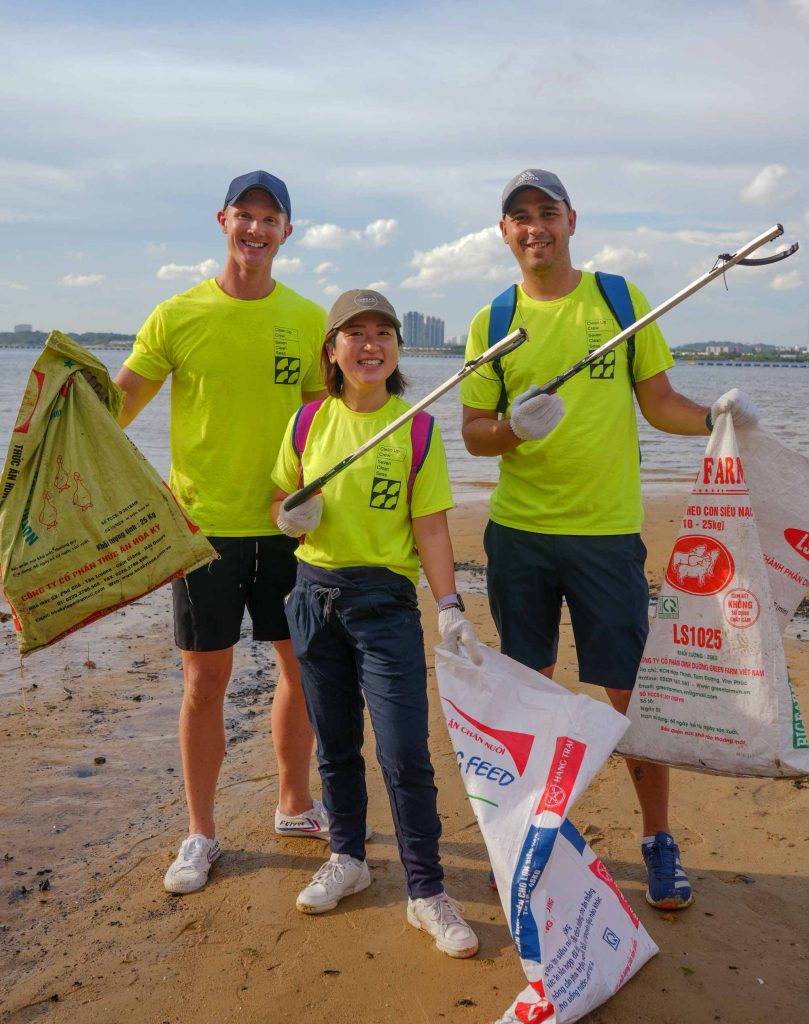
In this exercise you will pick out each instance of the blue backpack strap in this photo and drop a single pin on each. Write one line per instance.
(615, 292)
(500, 316)
(300, 432)
(421, 434)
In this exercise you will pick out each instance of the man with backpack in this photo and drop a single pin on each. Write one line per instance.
(566, 514)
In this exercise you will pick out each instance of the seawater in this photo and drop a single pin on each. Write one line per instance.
(669, 461)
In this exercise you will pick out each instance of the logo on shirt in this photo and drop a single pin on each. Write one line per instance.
(287, 355)
(287, 370)
(598, 332)
(603, 368)
(385, 493)
(388, 476)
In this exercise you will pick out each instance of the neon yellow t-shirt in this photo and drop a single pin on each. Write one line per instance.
(366, 518)
(584, 477)
(238, 370)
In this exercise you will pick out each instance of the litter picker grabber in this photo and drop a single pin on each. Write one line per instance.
(723, 262)
(501, 348)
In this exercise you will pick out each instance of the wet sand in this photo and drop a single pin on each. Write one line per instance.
(87, 934)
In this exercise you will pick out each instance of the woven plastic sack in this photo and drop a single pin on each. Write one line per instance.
(713, 692)
(86, 524)
(527, 749)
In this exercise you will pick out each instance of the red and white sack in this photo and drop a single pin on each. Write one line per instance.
(527, 749)
(713, 692)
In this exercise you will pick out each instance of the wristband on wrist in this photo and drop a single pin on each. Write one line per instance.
(709, 422)
(451, 601)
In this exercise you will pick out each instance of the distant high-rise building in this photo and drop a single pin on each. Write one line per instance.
(22, 328)
(420, 331)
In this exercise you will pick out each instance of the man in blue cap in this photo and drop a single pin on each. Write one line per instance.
(243, 351)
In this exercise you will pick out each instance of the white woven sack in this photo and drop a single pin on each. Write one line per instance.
(526, 750)
(713, 692)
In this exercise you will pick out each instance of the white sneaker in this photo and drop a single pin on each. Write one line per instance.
(189, 871)
(340, 876)
(313, 823)
(440, 916)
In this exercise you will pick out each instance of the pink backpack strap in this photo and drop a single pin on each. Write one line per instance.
(300, 432)
(421, 434)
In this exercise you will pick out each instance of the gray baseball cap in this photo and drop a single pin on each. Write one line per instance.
(355, 303)
(546, 181)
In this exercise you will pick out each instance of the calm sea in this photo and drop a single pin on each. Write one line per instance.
(669, 462)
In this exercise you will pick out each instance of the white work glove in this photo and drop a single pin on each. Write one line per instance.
(743, 410)
(302, 519)
(533, 416)
(456, 631)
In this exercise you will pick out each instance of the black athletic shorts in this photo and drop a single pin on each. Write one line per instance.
(255, 573)
(601, 578)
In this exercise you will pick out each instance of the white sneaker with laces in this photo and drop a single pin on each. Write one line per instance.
(189, 871)
(440, 916)
(313, 823)
(340, 876)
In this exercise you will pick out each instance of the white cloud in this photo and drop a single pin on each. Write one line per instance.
(769, 185)
(16, 217)
(380, 232)
(155, 247)
(786, 282)
(801, 8)
(27, 176)
(196, 271)
(81, 280)
(617, 258)
(325, 267)
(287, 264)
(15, 285)
(714, 240)
(332, 289)
(330, 236)
(377, 286)
(75, 254)
(480, 256)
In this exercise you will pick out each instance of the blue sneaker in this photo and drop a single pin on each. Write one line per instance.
(669, 888)
(492, 881)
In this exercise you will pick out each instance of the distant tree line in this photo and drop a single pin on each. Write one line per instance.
(37, 338)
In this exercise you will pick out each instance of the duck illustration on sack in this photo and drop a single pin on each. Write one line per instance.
(62, 480)
(81, 496)
(48, 515)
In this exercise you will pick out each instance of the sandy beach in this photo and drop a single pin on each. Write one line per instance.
(92, 811)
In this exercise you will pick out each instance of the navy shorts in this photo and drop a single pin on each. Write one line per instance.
(255, 573)
(601, 578)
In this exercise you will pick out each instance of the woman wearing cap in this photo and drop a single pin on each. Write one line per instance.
(353, 615)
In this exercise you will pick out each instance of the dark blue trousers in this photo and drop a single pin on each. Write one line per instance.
(357, 634)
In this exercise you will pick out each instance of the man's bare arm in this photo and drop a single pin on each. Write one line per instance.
(139, 391)
(668, 410)
(485, 434)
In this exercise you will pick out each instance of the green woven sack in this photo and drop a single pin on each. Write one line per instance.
(86, 523)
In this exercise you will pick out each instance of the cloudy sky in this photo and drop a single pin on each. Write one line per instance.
(678, 127)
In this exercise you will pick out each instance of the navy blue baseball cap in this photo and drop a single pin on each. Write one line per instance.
(263, 180)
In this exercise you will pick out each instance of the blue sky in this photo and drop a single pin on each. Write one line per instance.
(679, 129)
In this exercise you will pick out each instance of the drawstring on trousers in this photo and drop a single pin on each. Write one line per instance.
(327, 594)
